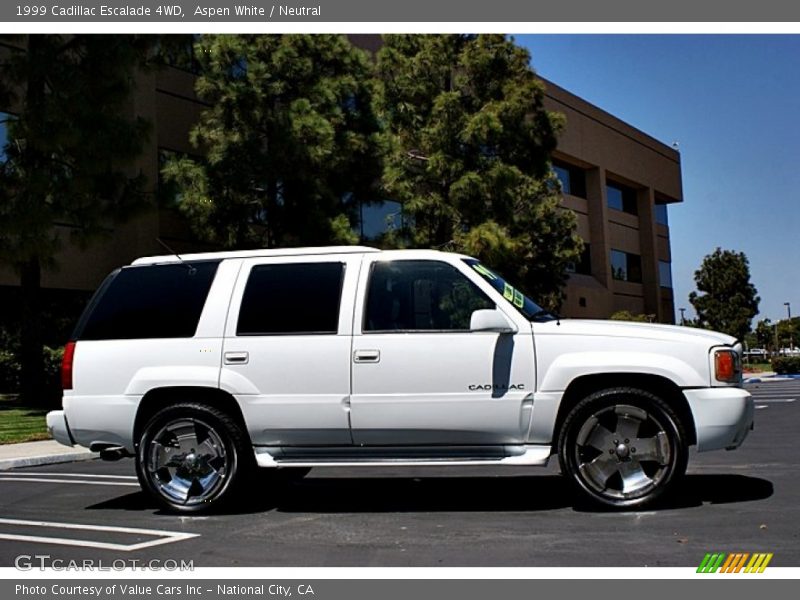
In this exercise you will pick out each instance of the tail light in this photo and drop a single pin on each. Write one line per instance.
(726, 366)
(66, 366)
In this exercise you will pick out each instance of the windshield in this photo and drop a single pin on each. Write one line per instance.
(529, 309)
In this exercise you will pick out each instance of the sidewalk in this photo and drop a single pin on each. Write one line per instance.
(47, 452)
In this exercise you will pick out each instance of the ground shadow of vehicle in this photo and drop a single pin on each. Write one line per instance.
(453, 494)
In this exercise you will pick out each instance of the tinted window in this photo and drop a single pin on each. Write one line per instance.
(621, 198)
(584, 264)
(626, 266)
(153, 301)
(664, 273)
(573, 179)
(661, 214)
(421, 295)
(4, 118)
(291, 298)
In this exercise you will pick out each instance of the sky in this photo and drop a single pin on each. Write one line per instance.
(732, 103)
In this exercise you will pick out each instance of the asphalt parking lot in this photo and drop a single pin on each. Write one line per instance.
(742, 501)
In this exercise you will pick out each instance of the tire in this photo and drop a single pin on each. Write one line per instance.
(597, 447)
(193, 457)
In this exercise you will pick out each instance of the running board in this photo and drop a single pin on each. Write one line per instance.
(531, 456)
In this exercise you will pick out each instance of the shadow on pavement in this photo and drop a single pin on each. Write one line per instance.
(453, 494)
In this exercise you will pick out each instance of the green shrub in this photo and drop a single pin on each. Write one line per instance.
(626, 315)
(9, 372)
(786, 365)
(10, 366)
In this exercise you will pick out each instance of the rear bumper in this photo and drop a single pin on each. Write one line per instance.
(722, 417)
(58, 427)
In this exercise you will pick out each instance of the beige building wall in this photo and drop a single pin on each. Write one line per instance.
(605, 150)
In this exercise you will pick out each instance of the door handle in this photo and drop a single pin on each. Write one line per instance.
(237, 358)
(367, 356)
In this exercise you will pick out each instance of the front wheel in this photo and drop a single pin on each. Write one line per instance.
(192, 457)
(622, 447)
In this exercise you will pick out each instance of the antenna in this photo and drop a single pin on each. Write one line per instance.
(192, 270)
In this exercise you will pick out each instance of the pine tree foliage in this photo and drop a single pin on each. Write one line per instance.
(468, 155)
(289, 141)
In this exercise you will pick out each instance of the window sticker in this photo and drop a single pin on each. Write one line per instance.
(519, 299)
(484, 271)
(508, 292)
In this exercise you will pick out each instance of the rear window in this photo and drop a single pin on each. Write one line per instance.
(291, 298)
(152, 301)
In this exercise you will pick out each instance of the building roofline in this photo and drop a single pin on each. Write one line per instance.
(592, 111)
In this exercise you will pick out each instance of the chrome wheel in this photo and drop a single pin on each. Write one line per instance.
(623, 451)
(623, 447)
(186, 461)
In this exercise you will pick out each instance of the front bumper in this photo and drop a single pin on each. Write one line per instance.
(58, 428)
(722, 416)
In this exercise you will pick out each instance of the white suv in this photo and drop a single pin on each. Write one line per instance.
(206, 366)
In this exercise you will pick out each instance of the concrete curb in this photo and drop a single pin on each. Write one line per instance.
(51, 459)
(44, 452)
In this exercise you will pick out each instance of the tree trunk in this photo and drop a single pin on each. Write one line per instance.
(32, 376)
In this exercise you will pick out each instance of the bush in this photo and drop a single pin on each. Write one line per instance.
(786, 365)
(10, 366)
(626, 315)
(9, 372)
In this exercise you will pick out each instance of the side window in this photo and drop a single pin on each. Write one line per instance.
(152, 301)
(421, 295)
(291, 298)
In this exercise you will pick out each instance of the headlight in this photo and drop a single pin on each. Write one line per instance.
(727, 366)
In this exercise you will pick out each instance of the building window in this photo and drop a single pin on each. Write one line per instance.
(626, 266)
(661, 214)
(573, 179)
(178, 51)
(584, 264)
(621, 198)
(4, 119)
(664, 274)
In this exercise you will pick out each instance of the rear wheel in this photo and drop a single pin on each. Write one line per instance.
(622, 447)
(192, 457)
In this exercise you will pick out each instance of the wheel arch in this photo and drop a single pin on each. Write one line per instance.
(666, 389)
(159, 398)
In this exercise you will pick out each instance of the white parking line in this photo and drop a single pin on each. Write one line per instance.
(81, 475)
(163, 537)
(81, 481)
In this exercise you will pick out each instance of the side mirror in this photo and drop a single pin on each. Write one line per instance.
(491, 320)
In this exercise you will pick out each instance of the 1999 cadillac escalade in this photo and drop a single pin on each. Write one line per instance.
(207, 366)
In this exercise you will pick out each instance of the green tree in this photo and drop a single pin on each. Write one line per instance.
(626, 315)
(70, 142)
(468, 151)
(289, 141)
(726, 300)
(765, 335)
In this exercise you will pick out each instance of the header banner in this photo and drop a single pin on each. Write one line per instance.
(464, 11)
